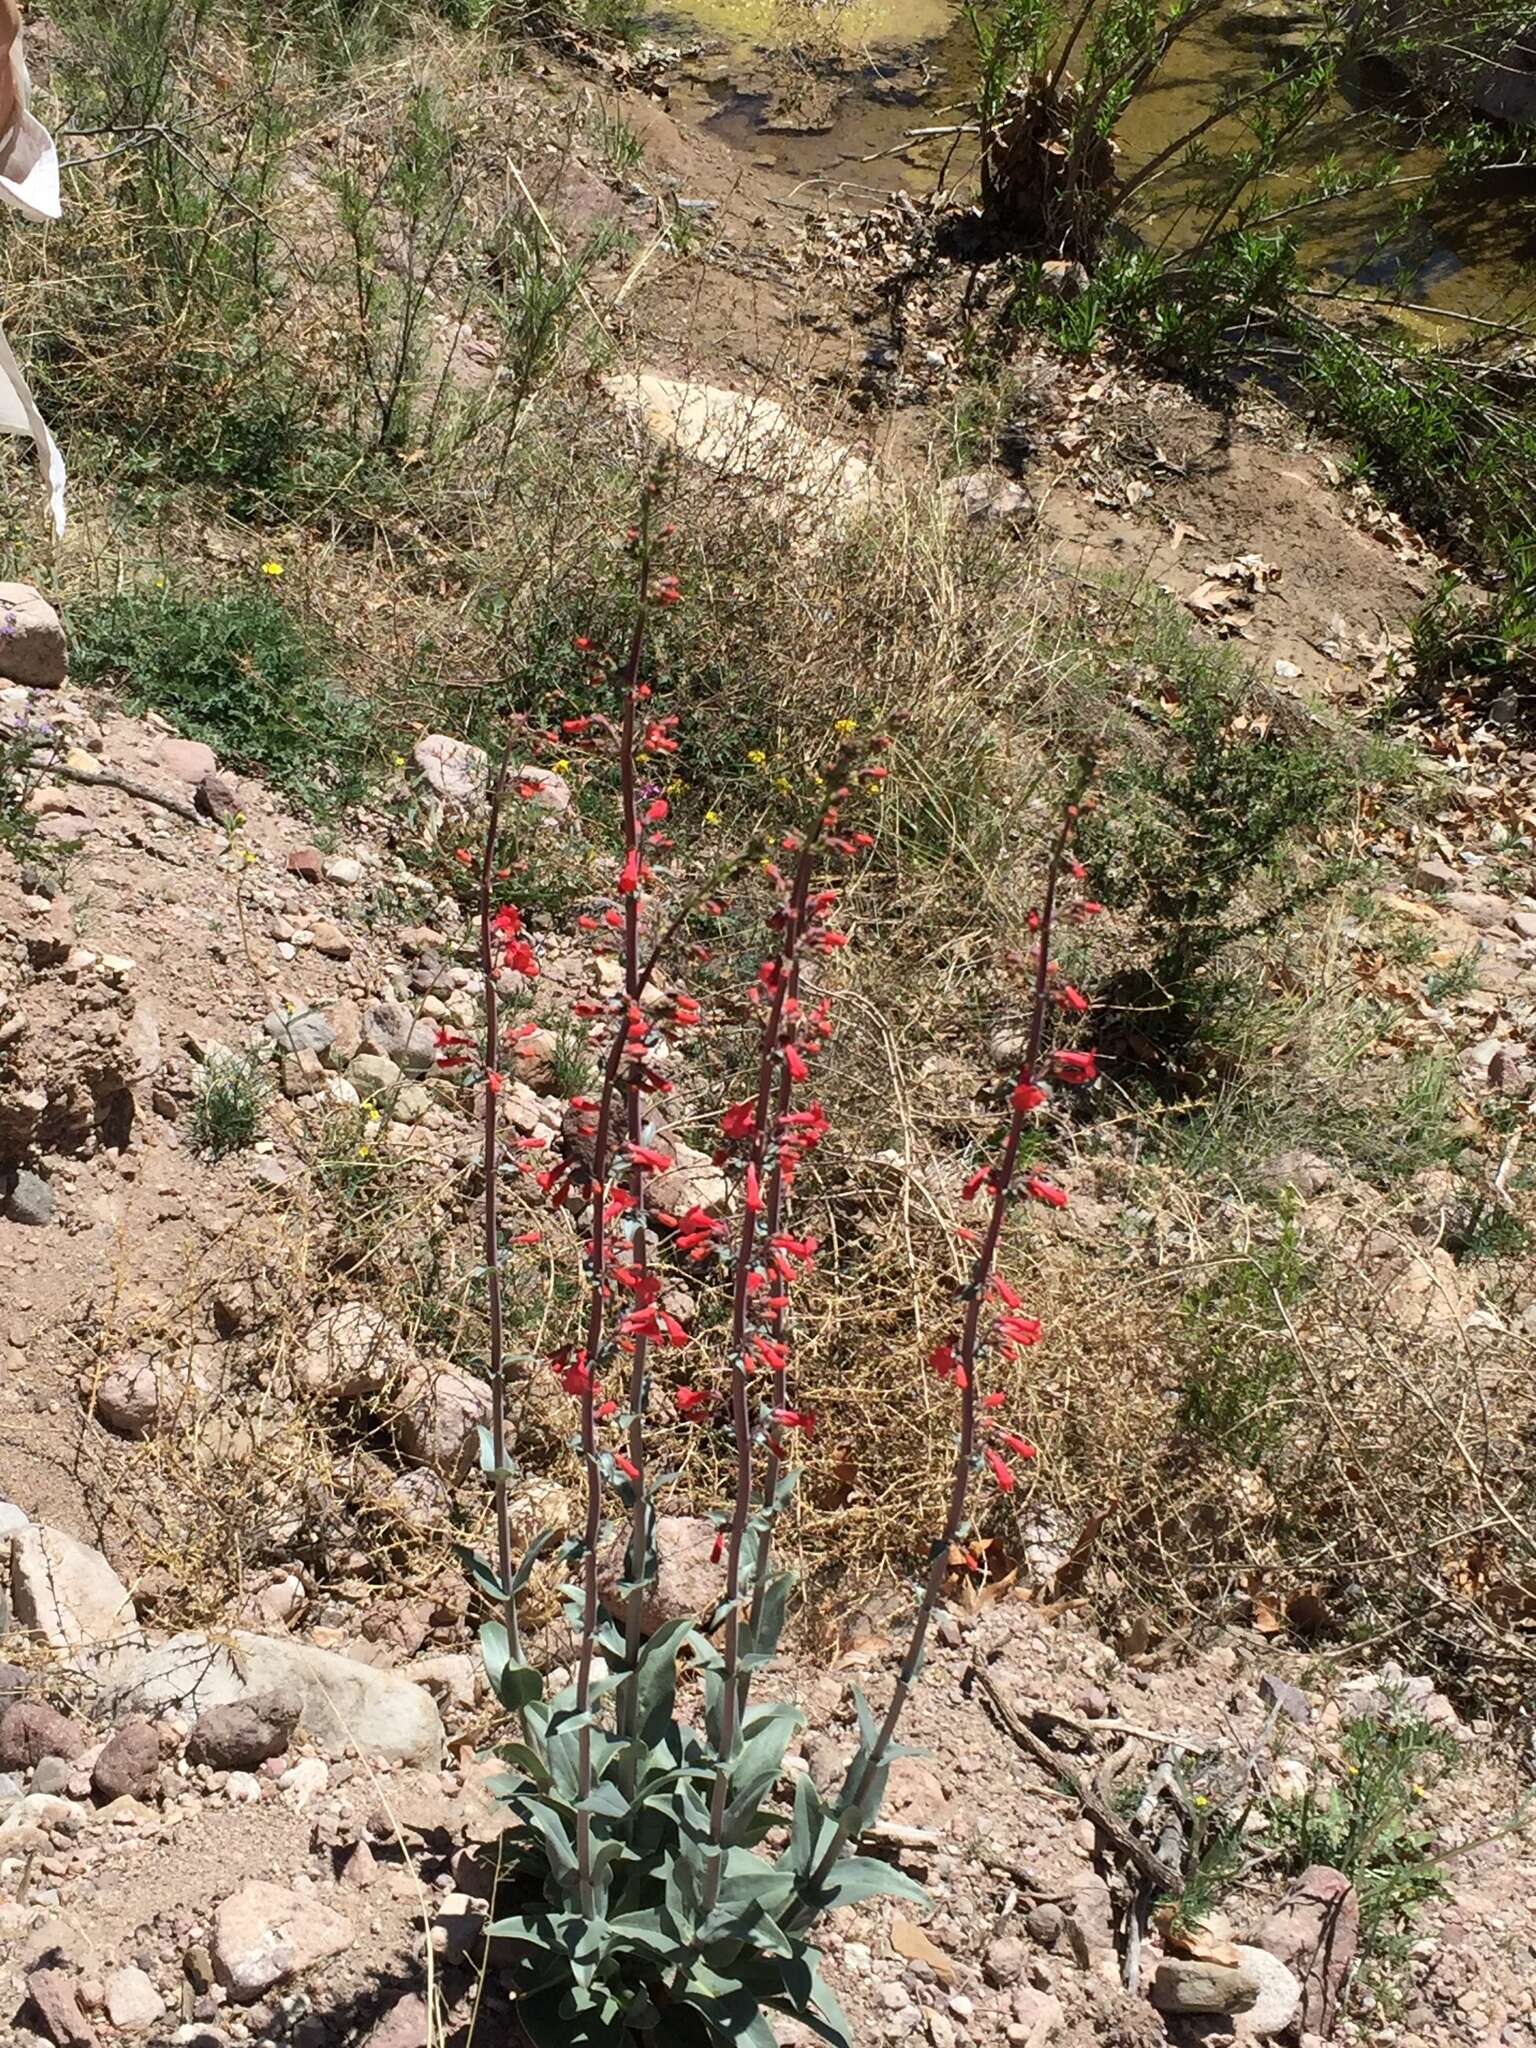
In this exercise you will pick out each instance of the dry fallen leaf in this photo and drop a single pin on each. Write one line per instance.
(909, 1940)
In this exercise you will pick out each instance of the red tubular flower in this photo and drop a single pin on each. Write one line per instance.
(649, 1156)
(572, 1373)
(1002, 1471)
(796, 1418)
(993, 1400)
(945, 1360)
(1020, 1446)
(1045, 1191)
(1018, 1332)
(1076, 1068)
(629, 875)
(626, 1465)
(739, 1123)
(1073, 999)
(1028, 1094)
(652, 1321)
(693, 1400)
(768, 1352)
(980, 1179)
(794, 1059)
(797, 1247)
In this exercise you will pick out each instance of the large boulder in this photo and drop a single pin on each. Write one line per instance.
(391, 1031)
(1187, 1984)
(442, 1412)
(453, 770)
(30, 1730)
(32, 645)
(68, 1596)
(743, 435)
(343, 1701)
(129, 1766)
(245, 1734)
(351, 1350)
(1279, 1992)
(690, 1579)
(692, 1181)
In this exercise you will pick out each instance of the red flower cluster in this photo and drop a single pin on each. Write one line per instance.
(507, 934)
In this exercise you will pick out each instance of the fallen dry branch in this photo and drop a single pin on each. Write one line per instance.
(1147, 1861)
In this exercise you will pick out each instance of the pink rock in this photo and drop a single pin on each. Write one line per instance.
(187, 760)
(689, 1580)
(264, 1936)
(1315, 1931)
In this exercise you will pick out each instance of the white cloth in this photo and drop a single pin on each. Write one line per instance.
(19, 415)
(29, 163)
(29, 185)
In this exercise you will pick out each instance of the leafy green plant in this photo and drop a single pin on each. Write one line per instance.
(24, 755)
(1242, 1362)
(228, 1105)
(1458, 979)
(571, 1061)
(622, 150)
(1364, 1820)
(237, 669)
(1201, 834)
(401, 222)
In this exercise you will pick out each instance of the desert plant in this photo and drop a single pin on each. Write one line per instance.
(630, 1893)
(237, 668)
(1364, 1820)
(1242, 1363)
(1204, 831)
(228, 1104)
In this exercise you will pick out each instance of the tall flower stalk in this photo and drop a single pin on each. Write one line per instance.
(640, 1908)
(992, 1321)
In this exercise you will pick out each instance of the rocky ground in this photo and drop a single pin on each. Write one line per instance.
(209, 1836)
(240, 1738)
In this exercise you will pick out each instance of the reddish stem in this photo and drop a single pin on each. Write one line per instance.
(975, 1292)
(490, 1163)
(770, 1060)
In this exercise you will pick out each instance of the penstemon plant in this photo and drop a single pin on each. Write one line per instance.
(634, 1902)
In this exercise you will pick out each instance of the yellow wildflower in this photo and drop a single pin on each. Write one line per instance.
(756, 756)
(846, 725)
(271, 568)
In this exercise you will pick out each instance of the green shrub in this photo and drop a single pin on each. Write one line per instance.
(237, 670)
(1203, 823)
(1241, 1359)
(232, 1093)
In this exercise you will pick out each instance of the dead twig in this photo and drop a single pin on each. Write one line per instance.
(1147, 1861)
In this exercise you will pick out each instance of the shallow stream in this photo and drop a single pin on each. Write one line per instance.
(831, 90)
